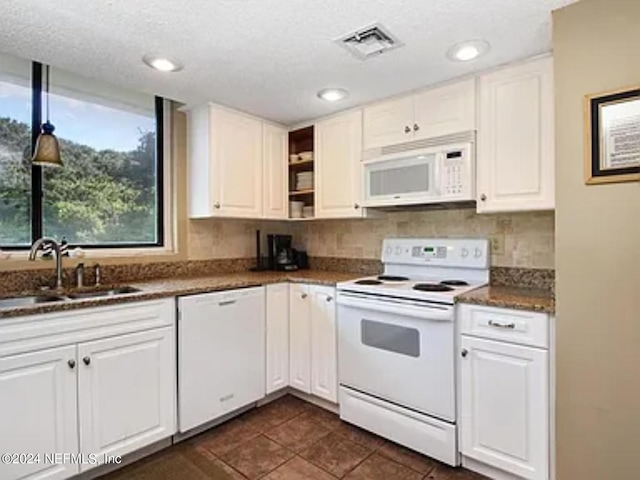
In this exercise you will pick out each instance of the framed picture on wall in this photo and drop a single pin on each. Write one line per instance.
(613, 136)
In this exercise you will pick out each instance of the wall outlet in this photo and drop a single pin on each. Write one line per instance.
(497, 244)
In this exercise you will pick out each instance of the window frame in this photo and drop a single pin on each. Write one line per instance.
(163, 241)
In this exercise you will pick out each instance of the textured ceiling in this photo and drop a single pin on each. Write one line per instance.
(270, 57)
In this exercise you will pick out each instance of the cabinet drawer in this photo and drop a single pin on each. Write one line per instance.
(514, 326)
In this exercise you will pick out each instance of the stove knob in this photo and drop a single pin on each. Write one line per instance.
(464, 253)
(389, 250)
(477, 253)
(398, 250)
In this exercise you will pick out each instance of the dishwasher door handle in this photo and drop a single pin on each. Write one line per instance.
(227, 302)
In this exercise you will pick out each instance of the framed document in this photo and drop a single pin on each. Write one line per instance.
(613, 137)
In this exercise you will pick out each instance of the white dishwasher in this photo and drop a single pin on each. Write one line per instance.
(221, 354)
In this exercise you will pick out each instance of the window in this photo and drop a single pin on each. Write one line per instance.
(109, 192)
(15, 149)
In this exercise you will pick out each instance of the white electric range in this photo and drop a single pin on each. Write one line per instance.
(396, 337)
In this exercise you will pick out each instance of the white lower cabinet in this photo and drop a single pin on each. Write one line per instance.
(38, 411)
(126, 392)
(504, 398)
(300, 337)
(313, 341)
(324, 357)
(277, 348)
(111, 391)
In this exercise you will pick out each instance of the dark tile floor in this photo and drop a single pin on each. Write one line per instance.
(288, 439)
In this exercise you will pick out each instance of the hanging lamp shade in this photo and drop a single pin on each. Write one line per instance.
(47, 151)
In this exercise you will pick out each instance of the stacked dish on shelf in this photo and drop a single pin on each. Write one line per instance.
(296, 209)
(304, 181)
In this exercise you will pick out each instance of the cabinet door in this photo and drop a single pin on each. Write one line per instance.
(236, 152)
(339, 173)
(277, 337)
(388, 123)
(38, 411)
(516, 157)
(324, 357)
(445, 110)
(276, 171)
(300, 338)
(505, 406)
(126, 392)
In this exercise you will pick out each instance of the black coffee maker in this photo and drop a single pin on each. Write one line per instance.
(282, 256)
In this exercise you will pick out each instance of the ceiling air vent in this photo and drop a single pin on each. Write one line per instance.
(369, 41)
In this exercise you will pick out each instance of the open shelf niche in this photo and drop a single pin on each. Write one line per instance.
(301, 141)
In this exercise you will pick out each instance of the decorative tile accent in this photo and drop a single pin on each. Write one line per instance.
(528, 237)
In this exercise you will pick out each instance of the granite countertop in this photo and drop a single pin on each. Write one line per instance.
(511, 297)
(173, 287)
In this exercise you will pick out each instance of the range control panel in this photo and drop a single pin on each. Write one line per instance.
(446, 252)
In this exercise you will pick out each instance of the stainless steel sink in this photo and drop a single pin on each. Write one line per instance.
(26, 301)
(102, 293)
(30, 300)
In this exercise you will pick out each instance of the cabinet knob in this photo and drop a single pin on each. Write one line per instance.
(407, 129)
(483, 197)
(329, 299)
(72, 363)
(464, 352)
(303, 296)
(216, 205)
(356, 206)
(416, 127)
(86, 360)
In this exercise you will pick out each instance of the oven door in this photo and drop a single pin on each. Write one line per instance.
(399, 351)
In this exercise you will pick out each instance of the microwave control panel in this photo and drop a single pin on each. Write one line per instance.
(456, 178)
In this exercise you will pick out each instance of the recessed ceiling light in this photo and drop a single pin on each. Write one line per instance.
(467, 51)
(333, 94)
(163, 64)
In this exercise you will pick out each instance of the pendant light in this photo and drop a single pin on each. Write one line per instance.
(47, 151)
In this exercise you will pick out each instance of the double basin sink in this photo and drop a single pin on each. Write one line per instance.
(25, 301)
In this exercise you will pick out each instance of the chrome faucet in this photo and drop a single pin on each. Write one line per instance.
(37, 245)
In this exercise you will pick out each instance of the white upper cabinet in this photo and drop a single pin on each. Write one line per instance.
(225, 163)
(388, 123)
(433, 113)
(275, 172)
(515, 160)
(445, 110)
(338, 169)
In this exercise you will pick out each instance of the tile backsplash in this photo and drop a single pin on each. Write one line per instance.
(525, 239)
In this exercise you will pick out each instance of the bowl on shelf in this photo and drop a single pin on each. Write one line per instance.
(295, 209)
(305, 156)
(308, 211)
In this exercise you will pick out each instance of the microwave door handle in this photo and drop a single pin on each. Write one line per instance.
(437, 181)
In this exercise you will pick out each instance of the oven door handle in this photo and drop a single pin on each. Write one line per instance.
(426, 312)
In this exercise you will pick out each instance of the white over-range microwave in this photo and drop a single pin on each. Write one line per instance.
(435, 174)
